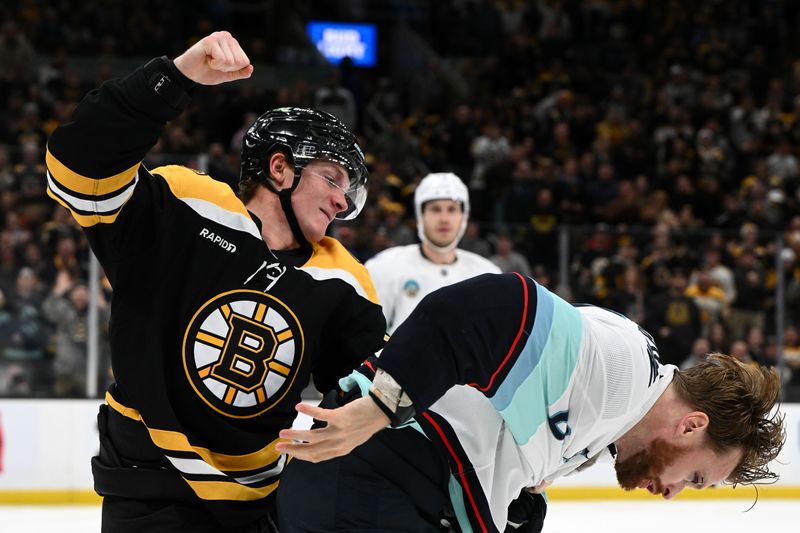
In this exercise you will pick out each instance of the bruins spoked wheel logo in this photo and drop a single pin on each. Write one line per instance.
(242, 351)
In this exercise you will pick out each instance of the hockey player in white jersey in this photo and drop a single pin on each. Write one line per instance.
(513, 387)
(404, 275)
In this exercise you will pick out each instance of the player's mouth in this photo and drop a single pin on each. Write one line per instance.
(328, 216)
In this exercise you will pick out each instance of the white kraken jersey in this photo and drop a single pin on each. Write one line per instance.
(403, 277)
(517, 386)
(564, 413)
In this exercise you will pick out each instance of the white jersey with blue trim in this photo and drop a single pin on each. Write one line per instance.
(403, 276)
(541, 386)
(584, 398)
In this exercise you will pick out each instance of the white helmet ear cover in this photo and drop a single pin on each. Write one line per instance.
(441, 186)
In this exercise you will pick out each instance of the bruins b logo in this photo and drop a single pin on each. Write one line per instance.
(242, 351)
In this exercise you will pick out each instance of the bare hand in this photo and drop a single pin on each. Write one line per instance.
(348, 426)
(540, 488)
(215, 59)
(63, 283)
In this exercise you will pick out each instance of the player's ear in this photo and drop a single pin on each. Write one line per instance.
(693, 424)
(281, 172)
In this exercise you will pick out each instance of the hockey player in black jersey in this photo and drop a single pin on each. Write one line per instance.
(223, 306)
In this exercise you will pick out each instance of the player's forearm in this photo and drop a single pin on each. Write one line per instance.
(115, 126)
(464, 334)
(420, 355)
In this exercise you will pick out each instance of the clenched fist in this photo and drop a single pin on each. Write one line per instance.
(215, 59)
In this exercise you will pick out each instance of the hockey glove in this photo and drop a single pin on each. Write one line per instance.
(526, 513)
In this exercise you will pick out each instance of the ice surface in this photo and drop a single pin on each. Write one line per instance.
(715, 516)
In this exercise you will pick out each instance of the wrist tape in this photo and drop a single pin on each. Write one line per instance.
(391, 399)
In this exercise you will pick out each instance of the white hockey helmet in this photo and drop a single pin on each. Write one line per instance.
(441, 186)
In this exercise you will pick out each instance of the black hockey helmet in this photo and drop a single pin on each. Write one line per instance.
(305, 135)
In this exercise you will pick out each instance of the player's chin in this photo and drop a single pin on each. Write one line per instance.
(315, 232)
(442, 243)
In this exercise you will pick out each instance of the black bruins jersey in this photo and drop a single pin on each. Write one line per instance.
(212, 336)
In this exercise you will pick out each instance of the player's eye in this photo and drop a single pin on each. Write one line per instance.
(334, 182)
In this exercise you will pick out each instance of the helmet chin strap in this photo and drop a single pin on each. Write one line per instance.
(285, 196)
(286, 203)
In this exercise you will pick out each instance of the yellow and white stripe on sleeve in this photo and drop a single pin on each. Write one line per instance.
(90, 200)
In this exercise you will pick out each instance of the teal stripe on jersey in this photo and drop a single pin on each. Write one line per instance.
(550, 378)
(457, 501)
(531, 353)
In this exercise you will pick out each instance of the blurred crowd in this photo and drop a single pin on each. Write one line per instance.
(657, 142)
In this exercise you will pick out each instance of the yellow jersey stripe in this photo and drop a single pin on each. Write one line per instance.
(172, 440)
(211, 199)
(222, 490)
(330, 256)
(129, 412)
(91, 186)
(186, 183)
(107, 205)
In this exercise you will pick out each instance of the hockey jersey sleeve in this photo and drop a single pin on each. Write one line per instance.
(489, 332)
(94, 160)
(357, 333)
(357, 330)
